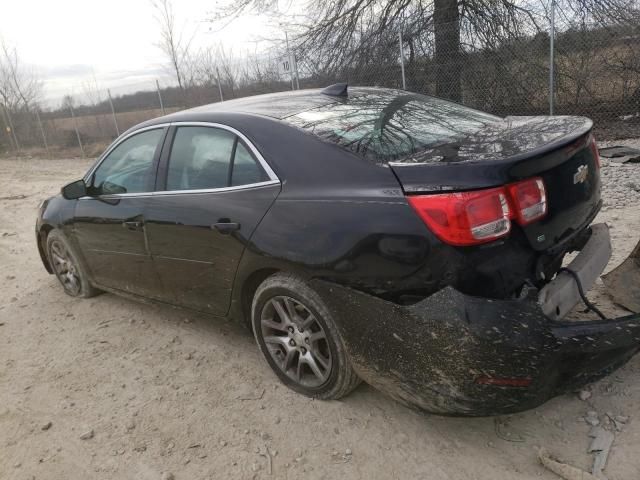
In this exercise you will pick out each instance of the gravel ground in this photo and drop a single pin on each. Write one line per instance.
(108, 388)
(621, 181)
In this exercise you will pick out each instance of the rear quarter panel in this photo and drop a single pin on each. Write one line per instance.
(341, 218)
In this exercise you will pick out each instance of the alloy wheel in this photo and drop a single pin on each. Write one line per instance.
(65, 268)
(296, 341)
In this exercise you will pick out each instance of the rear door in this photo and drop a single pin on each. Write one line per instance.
(109, 224)
(213, 190)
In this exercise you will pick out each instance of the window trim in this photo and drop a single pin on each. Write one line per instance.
(232, 160)
(273, 178)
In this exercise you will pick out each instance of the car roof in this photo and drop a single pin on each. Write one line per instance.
(278, 105)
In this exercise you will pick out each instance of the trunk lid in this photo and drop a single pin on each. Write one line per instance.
(558, 149)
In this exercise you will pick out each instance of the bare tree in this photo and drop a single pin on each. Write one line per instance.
(92, 91)
(228, 70)
(346, 33)
(172, 40)
(19, 85)
(94, 99)
(67, 103)
(20, 91)
(204, 66)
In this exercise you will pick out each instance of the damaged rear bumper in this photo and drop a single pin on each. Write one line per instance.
(444, 353)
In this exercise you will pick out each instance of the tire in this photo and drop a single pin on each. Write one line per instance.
(67, 267)
(289, 317)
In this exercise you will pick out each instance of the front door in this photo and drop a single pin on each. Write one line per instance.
(212, 193)
(109, 224)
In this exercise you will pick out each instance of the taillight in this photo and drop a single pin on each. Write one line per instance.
(465, 218)
(529, 200)
(488, 216)
(481, 216)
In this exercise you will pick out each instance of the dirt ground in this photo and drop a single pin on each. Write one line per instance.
(163, 393)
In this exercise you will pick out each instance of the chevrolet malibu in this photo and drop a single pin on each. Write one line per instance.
(361, 233)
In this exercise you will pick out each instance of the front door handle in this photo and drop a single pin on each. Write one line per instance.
(226, 228)
(133, 224)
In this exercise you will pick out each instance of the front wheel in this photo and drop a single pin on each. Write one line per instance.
(299, 339)
(67, 267)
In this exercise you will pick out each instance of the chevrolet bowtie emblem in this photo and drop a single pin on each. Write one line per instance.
(581, 174)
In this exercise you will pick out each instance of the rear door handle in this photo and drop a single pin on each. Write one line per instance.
(226, 228)
(133, 224)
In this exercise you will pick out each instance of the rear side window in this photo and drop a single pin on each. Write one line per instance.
(200, 158)
(389, 125)
(245, 168)
(205, 158)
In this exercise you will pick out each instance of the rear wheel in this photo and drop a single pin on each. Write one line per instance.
(67, 267)
(299, 339)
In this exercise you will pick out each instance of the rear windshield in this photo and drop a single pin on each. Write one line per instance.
(389, 125)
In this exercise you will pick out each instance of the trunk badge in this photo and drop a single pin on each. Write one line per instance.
(581, 174)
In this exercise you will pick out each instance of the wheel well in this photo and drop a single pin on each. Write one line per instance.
(249, 288)
(42, 246)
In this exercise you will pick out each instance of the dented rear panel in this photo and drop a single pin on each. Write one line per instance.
(437, 354)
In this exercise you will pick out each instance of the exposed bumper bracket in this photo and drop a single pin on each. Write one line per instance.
(559, 296)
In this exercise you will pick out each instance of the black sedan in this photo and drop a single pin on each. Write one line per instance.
(361, 233)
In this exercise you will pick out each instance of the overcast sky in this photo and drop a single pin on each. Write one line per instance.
(70, 41)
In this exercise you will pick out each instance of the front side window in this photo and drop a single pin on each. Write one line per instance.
(128, 167)
(205, 158)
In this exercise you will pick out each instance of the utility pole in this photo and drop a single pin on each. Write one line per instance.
(13, 140)
(75, 125)
(160, 96)
(404, 80)
(294, 65)
(44, 135)
(11, 129)
(219, 84)
(113, 112)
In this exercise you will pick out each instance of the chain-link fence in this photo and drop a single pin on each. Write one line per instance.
(584, 69)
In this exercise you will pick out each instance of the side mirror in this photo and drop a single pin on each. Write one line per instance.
(74, 190)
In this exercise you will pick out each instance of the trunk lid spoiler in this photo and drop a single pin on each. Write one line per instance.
(515, 148)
